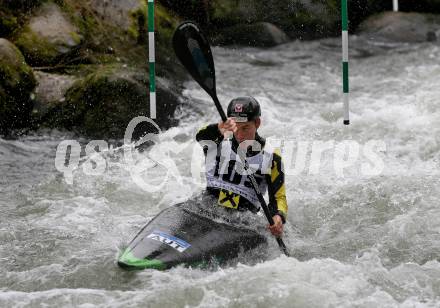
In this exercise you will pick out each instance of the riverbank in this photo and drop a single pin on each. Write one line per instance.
(83, 65)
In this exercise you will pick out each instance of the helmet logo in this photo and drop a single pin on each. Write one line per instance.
(238, 108)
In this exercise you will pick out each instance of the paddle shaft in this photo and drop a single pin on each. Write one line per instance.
(219, 108)
(264, 206)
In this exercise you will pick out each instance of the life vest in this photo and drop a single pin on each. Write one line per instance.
(226, 173)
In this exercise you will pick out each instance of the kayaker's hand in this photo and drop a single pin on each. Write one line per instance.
(227, 128)
(277, 228)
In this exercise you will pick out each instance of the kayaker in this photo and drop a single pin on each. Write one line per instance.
(225, 180)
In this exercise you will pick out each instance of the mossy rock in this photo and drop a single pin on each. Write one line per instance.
(131, 16)
(50, 92)
(22, 5)
(102, 104)
(260, 34)
(401, 27)
(16, 83)
(224, 13)
(196, 10)
(16, 75)
(49, 35)
(302, 19)
(8, 23)
(165, 24)
(123, 26)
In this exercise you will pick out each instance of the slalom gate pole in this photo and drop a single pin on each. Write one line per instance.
(345, 86)
(395, 5)
(152, 59)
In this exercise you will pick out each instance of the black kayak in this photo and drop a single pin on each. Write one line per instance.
(181, 235)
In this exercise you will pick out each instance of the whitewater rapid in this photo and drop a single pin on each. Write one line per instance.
(358, 240)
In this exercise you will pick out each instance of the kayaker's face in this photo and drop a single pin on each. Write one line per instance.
(247, 130)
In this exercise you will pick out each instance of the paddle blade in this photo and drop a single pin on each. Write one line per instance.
(193, 51)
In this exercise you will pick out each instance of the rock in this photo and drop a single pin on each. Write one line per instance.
(50, 92)
(21, 5)
(196, 10)
(8, 23)
(17, 76)
(231, 12)
(310, 19)
(49, 35)
(127, 23)
(131, 16)
(261, 34)
(302, 19)
(16, 84)
(115, 11)
(401, 27)
(102, 104)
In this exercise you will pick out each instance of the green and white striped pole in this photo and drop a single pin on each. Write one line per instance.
(345, 85)
(152, 59)
(395, 5)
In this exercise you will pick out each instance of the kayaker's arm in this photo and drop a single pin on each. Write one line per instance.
(277, 188)
(217, 132)
(209, 132)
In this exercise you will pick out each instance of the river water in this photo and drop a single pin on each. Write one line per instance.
(358, 239)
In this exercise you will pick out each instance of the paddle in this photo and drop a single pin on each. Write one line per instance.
(194, 52)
